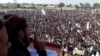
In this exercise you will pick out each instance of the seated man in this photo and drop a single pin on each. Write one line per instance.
(4, 43)
(18, 35)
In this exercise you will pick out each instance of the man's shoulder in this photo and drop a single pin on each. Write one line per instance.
(16, 53)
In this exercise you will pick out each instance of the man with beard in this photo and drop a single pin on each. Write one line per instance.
(18, 36)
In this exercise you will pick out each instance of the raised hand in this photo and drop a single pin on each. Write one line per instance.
(38, 44)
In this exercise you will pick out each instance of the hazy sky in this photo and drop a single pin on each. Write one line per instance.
(52, 1)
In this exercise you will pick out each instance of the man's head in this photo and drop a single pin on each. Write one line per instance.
(4, 43)
(17, 29)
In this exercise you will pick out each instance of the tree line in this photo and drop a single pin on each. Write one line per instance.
(95, 5)
(61, 4)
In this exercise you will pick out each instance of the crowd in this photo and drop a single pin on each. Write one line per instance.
(69, 29)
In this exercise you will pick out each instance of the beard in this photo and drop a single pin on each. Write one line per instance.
(26, 40)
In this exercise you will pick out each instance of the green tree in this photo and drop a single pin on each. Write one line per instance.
(18, 6)
(40, 4)
(70, 5)
(44, 5)
(87, 5)
(77, 6)
(1, 5)
(96, 5)
(81, 4)
(61, 4)
(32, 4)
(25, 3)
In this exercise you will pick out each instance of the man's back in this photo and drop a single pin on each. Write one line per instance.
(18, 49)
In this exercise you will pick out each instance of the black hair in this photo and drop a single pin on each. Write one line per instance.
(13, 33)
(20, 26)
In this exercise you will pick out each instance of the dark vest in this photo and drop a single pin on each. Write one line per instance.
(18, 49)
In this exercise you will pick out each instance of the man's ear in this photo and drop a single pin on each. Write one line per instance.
(21, 34)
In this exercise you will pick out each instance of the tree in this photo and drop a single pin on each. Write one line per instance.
(44, 5)
(70, 5)
(81, 4)
(61, 4)
(25, 3)
(18, 6)
(32, 4)
(77, 6)
(40, 4)
(96, 5)
(87, 5)
(1, 5)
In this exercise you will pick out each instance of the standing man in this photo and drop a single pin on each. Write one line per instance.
(18, 35)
